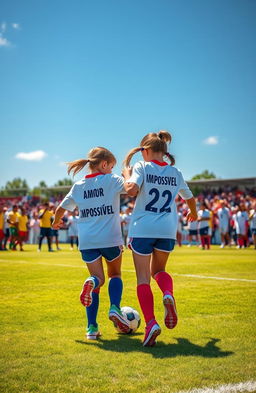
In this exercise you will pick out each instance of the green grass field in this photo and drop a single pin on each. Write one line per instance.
(43, 345)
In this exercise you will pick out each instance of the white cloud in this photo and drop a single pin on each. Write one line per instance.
(16, 26)
(4, 41)
(3, 27)
(37, 155)
(211, 140)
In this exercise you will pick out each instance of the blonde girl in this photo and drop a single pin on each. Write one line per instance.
(97, 197)
(154, 224)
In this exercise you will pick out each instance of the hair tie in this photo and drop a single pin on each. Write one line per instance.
(142, 148)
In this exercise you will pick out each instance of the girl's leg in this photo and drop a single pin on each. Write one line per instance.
(115, 286)
(165, 283)
(157, 267)
(96, 280)
(144, 293)
(97, 277)
(71, 242)
(115, 290)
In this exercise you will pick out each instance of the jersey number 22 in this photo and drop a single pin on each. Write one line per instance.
(165, 208)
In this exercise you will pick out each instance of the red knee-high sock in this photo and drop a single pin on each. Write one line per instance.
(164, 281)
(240, 242)
(203, 241)
(146, 301)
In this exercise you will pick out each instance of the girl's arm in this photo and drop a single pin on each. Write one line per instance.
(192, 213)
(57, 222)
(132, 189)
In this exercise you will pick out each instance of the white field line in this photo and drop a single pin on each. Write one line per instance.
(214, 278)
(131, 271)
(249, 386)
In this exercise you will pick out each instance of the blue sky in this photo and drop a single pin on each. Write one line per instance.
(78, 74)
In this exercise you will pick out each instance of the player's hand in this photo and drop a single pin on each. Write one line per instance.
(191, 216)
(127, 172)
(57, 225)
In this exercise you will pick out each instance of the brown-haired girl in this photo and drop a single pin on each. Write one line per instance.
(154, 224)
(97, 197)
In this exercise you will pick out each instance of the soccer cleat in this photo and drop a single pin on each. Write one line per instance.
(115, 315)
(170, 313)
(86, 294)
(92, 333)
(152, 330)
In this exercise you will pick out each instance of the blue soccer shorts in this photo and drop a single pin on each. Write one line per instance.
(109, 253)
(145, 246)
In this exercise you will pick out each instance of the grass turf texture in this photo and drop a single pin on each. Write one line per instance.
(43, 345)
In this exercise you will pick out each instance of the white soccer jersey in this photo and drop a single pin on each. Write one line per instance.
(192, 225)
(253, 219)
(240, 220)
(203, 214)
(155, 213)
(97, 197)
(72, 225)
(126, 219)
(223, 215)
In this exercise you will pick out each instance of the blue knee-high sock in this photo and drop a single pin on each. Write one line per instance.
(115, 289)
(96, 281)
(92, 310)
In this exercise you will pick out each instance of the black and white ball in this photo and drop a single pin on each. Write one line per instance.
(132, 316)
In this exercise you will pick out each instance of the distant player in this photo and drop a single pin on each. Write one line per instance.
(204, 218)
(223, 214)
(55, 233)
(192, 232)
(241, 222)
(72, 228)
(45, 216)
(22, 228)
(12, 220)
(126, 219)
(153, 225)
(97, 197)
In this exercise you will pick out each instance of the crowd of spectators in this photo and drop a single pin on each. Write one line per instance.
(225, 217)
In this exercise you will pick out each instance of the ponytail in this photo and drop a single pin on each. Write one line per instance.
(76, 166)
(170, 157)
(127, 160)
(164, 136)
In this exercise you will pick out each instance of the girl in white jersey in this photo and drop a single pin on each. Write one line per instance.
(97, 197)
(153, 224)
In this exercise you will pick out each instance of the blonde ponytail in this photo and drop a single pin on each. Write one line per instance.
(164, 136)
(76, 166)
(95, 157)
(127, 160)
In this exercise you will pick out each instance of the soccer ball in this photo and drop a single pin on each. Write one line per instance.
(133, 318)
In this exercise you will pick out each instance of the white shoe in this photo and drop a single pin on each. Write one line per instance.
(38, 250)
(222, 246)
